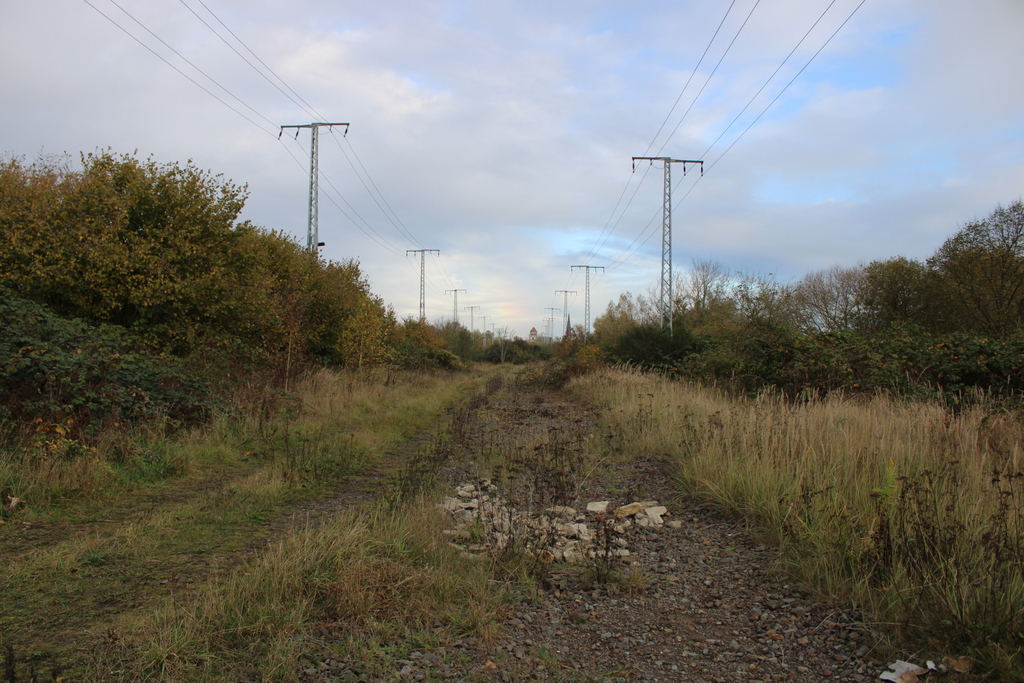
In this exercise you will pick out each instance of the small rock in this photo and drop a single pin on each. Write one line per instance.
(628, 510)
(598, 507)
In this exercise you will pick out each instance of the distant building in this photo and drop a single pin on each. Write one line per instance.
(533, 335)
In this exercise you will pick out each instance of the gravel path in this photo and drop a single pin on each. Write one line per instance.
(696, 602)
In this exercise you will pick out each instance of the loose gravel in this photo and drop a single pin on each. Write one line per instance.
(701, 603)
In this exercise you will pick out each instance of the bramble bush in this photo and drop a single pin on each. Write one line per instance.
(75, 378)
(903, 361)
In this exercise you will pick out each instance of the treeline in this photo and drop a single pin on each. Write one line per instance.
(121, 279)
(943, 326)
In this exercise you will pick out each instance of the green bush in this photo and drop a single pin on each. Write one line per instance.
(77, 378)
(652, 348)
(900, 360)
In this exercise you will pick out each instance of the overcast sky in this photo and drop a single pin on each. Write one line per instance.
(501, 133)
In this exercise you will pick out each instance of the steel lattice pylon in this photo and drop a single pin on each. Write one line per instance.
(667, 298)
(312, 226)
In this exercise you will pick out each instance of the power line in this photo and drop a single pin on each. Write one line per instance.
(401, 230)
(309, 109)
(769, 80)
(368, 230)
(300, 102)
(692, 73)
(602, 239)
(235, 50)
(710, 76)
(168, 63)
(624, 256)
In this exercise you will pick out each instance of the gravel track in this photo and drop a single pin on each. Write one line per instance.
(701, 603)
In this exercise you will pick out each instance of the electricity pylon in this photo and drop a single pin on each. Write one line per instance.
(586, 316)
(470, 309)
(565, 307)
(483, 331)
(313, 228)
(666, 232)
(456, 301)
(551, 322)
(423, 278)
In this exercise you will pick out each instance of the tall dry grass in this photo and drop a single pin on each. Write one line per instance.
(905, 509)
(332, 421)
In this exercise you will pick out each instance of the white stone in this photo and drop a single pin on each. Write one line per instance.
(656, 511)
(599, 507)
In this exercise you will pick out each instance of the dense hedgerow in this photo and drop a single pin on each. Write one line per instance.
(77, 377)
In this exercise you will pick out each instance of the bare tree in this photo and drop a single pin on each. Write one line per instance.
(704, 296)
(762, 301)
(503, 340)
(830, 300)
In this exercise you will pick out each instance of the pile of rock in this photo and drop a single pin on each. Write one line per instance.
(486, 523)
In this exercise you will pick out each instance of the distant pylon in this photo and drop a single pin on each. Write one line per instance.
(565, 305)
(423, 278)
(456, 301)
(586, 309)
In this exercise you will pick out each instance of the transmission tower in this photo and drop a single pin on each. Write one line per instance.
(456, 301)
(666, 233)
(471, 309)
(313, 229)
(423, 278)
(565, 307)
(551, 322)
(586, 317)
(483, 331)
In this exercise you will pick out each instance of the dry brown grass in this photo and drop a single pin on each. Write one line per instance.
(905, 509)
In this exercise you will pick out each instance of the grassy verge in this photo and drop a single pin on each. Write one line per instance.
(385, 582)
(107, 535)
(911, 512)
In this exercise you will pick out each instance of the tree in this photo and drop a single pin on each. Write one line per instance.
(764, 304)
(830, 300)
(703, 297)
(503, 341)
(982, 267)
(899, 290)
(622, 316)
(158, 249)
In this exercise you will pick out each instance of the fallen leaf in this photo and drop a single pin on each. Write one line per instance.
(490, 665)
(961, 665)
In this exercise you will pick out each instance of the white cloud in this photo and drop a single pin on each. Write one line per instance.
(501, 132)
